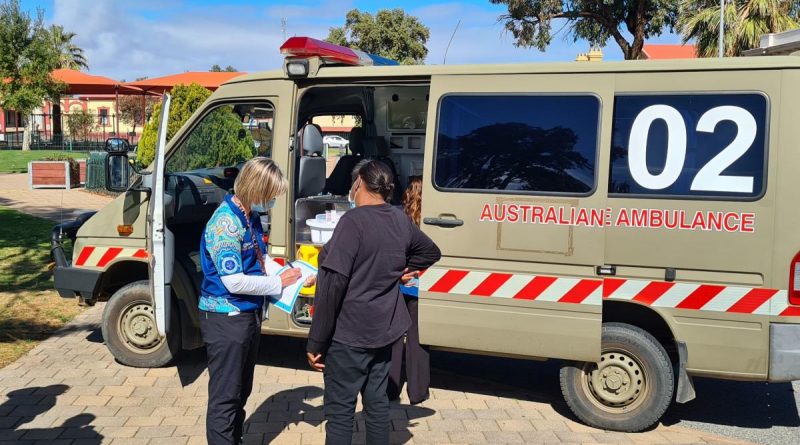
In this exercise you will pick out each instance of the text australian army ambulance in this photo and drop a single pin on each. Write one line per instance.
(636, 220)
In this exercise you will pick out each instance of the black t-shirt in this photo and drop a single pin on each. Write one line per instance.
(369, 249)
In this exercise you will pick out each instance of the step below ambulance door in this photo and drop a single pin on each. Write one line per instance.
(513, 197)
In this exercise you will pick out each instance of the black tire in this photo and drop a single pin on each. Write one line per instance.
(635, 380)
(129, 309)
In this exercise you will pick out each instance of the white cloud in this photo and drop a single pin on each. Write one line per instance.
(126, 39)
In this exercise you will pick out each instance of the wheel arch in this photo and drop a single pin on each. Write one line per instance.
(119, 274)
(645, 318)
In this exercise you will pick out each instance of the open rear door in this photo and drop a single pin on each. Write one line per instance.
(160, 240)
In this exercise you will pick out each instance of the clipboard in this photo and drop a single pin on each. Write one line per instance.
(289, 295)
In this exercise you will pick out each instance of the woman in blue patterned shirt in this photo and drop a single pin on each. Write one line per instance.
(238, 276)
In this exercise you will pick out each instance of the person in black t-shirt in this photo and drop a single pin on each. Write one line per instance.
(359, 312)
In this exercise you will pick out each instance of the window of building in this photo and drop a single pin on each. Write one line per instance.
(689, 145)
(516, 143)
(102, 116)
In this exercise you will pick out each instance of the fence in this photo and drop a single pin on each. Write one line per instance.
(80, 132)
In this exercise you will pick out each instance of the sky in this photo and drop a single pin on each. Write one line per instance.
(126, 39)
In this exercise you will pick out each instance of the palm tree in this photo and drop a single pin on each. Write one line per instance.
(745, 22)
(70, 55)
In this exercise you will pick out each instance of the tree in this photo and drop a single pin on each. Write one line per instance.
(628, 22)
(745, 22)
(80, 123)
(215, 68)
(26, 60)
(218, 139)
(390, 33)
(69, 55)
(133, 110)
(186, 99)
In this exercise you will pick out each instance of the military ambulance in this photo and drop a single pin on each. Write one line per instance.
(637, 220)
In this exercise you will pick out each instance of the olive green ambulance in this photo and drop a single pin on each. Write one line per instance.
(636, 220)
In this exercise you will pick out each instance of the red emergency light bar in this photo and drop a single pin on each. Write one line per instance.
(305, 47)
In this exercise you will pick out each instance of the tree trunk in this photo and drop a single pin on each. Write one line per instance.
(27, 123)
(58, 133)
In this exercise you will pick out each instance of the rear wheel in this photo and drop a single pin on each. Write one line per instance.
(129, 329)
(629, 389)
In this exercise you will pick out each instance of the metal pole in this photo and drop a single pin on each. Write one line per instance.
(721, 28)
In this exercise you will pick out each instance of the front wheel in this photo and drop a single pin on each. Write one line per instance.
(629, 389)
(129, 329)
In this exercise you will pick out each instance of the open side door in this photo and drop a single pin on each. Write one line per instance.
(160, 241)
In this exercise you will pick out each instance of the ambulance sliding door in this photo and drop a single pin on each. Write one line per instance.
(511, 195)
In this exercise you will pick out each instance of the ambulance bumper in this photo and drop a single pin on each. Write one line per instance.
(71, 281)
(784, 352)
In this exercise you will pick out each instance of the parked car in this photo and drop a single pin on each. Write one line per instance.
(334, 141)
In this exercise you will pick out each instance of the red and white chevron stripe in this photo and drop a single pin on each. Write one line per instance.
(101, 256)
(703, 297)
(517, 286)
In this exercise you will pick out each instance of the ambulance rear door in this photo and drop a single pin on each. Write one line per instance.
(513, 196)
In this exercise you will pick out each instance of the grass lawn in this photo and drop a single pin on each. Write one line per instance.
(16, 161)
(30, 309)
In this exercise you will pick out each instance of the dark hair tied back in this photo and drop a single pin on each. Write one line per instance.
(376, 176)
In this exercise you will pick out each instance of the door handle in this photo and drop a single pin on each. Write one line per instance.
(443, 222)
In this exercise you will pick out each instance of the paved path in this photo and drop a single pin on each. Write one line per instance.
(69, 391)
(53, 204)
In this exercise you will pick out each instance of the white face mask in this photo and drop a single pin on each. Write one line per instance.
(351, 196)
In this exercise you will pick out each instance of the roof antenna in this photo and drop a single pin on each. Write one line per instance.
(283, 27)
(444, 62)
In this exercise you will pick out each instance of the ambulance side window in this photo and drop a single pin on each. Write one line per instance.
(689, 145)
(539, 144)
(226, 136)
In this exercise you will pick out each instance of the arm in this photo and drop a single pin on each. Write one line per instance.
(224, 236)
(422, 252)
(331, 289)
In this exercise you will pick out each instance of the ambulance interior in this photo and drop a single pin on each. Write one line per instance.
(390, 125)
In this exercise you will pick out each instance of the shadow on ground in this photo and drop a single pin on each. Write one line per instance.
(718, 402)
(24, 405)
(757, 405)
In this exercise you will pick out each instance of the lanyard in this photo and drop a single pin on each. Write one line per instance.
(259, 255)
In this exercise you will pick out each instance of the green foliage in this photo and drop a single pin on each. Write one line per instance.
(218, 69)
(26, 59)
(219, 140)
(80, 123)
(73, 164)
(745, 22)
(390, 33)
(133, 110)
(628, 22)
(69, 55)
(185, 101)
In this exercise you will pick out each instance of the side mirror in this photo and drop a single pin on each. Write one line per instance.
(117, 145)
(117, 172)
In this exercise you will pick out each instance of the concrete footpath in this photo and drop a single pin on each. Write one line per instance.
(70, 391)
(52, 204)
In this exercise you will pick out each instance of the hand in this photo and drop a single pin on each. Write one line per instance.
(290, 276)
(315, 361)
(310, 281)
(408, 276)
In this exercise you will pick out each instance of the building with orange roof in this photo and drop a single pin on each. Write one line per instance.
(208, 79)
(667, 52)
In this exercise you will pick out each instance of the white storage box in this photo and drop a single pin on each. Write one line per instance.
(321, 231)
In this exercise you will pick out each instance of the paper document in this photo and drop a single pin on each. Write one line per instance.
(289, 294)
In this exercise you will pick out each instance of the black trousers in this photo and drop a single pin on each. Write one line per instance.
(232, 349)
(348, 372)
(417, 361)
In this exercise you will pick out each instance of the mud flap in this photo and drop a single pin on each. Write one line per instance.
(685, 391)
